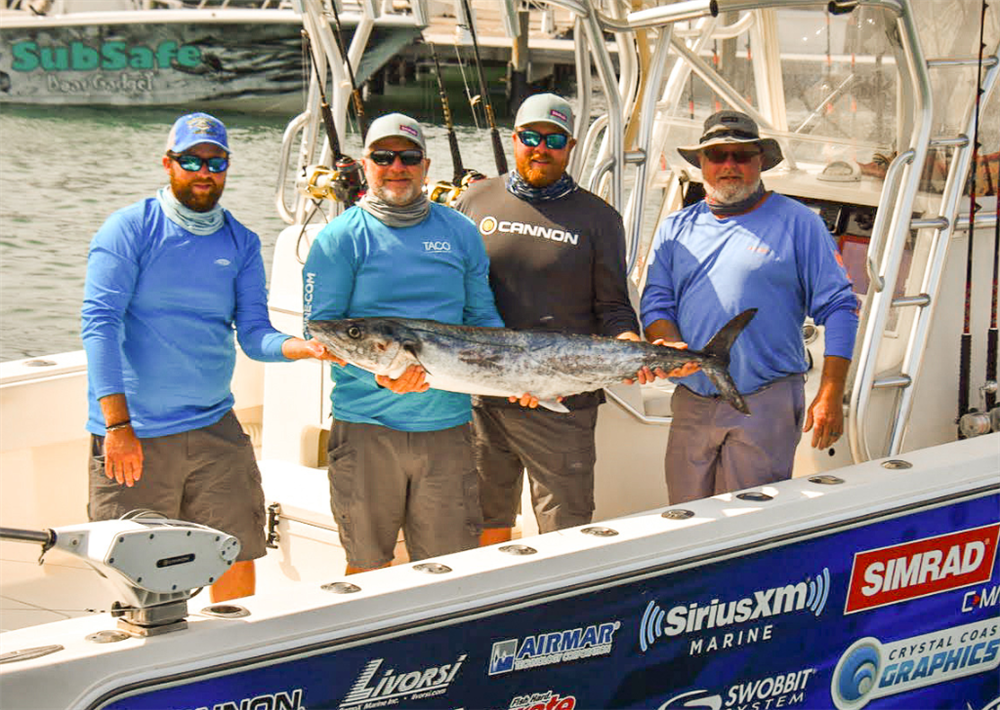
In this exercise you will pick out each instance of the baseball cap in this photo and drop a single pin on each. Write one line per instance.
(195, 128)
(546, 108)
(395, 125)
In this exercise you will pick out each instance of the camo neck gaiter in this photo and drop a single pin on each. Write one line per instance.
(519, 187)
(721, 209)
(200, 223)
(395, 215)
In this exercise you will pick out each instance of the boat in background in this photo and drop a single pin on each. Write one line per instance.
(215, 54)
(869, 579)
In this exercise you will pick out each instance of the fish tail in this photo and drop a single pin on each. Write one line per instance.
(718, 352)
(722, 341)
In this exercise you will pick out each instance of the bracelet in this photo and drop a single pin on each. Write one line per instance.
(120, 425)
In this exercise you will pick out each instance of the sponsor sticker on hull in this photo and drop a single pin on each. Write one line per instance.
(899, 573)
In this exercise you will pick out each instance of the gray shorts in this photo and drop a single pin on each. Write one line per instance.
(714, 449)
(558, 452)
(383, 480)
(207, 476)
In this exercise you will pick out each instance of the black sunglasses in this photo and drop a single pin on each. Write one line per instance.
(719, 155)
(553, 141)
(192, 163)
(385, 158)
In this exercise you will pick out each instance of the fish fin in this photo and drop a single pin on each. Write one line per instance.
(723, 340)
(553, 405)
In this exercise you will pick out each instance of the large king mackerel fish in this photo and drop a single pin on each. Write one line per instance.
(504, 362)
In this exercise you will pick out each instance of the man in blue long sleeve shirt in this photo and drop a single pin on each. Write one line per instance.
(400, 454)
(168, 279)
(743, 247)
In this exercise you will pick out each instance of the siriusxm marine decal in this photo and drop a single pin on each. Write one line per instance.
(488, 225)
(920, 568)
(985, 598)
(551, 648)
(870, 669)
(393, 685)
(809, 595)
(776, 691)
(548, 700)
(275, 701)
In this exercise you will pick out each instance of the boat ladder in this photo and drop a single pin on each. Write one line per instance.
(893, 224)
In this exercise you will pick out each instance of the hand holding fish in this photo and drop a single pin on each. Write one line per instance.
(413, 379)
(688, 368)
(299, 349)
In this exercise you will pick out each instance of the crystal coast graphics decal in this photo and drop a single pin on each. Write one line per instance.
(871, 669)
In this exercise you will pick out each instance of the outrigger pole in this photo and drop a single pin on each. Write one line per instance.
(498, 154)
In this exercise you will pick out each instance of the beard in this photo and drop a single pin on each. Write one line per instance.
(729, 193)
(200, 201)
(399, 197)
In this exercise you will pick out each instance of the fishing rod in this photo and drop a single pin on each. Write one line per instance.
(456, 155)
(346, 181)
(991, 334)
(359, 109)
(446, 192)
(965, 347)
(498, 154)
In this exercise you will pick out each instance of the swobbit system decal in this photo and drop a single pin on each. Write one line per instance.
(897, 613)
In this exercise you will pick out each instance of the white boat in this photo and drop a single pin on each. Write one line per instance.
(871, 578)
(214, 53)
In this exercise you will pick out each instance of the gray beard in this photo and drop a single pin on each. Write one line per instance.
(728, 195)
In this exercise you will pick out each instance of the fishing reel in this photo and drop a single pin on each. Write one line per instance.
(445, 193)
(343, 183)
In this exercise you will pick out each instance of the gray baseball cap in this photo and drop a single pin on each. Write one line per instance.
(395, 125)
(546, 108)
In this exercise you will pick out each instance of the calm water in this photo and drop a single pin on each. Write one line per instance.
(62, 172)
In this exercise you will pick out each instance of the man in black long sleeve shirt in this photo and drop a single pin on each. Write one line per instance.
(557, 262)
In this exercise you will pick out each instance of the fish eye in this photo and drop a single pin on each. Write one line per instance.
(354, 332)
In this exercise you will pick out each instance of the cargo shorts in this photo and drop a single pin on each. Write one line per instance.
(557, 451)
(207, 476)
(421, 482)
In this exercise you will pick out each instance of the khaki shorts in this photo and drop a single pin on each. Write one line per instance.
(383, 480)
(558, 453)
(207, 476)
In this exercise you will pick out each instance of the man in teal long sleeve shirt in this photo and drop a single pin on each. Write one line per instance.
(168, 279)
(400, 454)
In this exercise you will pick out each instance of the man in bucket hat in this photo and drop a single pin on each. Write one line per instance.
(745, 247)
(557, 262)
(168, 280)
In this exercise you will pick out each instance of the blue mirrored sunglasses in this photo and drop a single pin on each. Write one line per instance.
(553, 141)
(192, 163)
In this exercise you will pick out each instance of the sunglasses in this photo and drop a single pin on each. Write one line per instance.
(385, 158)
(192, 163)
(719, 156)
(553, 141)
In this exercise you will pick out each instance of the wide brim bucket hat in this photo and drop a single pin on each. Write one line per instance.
(733, 128)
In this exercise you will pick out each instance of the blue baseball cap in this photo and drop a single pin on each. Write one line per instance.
(195, 128)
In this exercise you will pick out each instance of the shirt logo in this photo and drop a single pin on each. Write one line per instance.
(437, 246)
(223, 262)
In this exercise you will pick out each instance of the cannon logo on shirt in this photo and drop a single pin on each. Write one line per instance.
(920, 568)
(488, 225)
